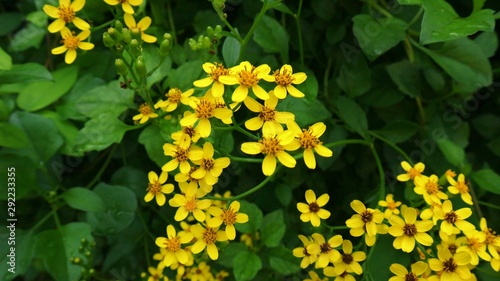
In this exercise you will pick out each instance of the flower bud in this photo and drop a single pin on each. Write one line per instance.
(210, 31)
(165, 47)
(140, 67)
(114, 34)
(206, 42)
(192, 44)
(135, 48)
(136, 34)
(126, 35)
(167, 36)
(118, 25)
(107, 40)
(120, 66)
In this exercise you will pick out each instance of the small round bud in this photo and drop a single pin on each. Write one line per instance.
(206, 43)
(210, 31)
(164, 47)
(114, 34)
(126, 35)
(121, 68)
(118, 25)
(136, 34)
(167, 36)
(135, 48)
(192, 44)
(107, 40)
(140, 67)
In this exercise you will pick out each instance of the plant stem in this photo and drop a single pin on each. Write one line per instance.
(299, 33)
(380, 172)
(395, 147)
(103, 168)
(252, 29)
(171, 21)
(99, 27)
(489, 205)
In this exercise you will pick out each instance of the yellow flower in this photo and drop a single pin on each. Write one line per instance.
(172, 243)
(145, 112)
(155, 274)
(181, 153)
(284, 79)
(460, 186)
(429, 188)
(200, 273)
(221, 203)
(246, 76)
(344, 276)
(309, 141)
(141, 27)
(411, 172)
(312, 210)
(174, 96)
(453, 218)
(273, 145)
(65, 13)
(327, 254)
(187, 178)
(492, 240)
(308, 252)
(402, 274)
(204, 110)
(214, 71)
(71, 43)
(229, 216)
(157, 189)
(408, 230)
(451, 267)
(366, 220)
(209, 168)
(126, 4)
(190, 202)
(315, 277)
(474, 243)
(349, 261)
(268, 115)
(248, 239)
(392, 206)
(429, 213)
(187, 131)
(206, 238)
(451, 244)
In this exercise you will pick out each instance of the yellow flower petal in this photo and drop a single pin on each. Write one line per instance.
(81, 24)
(70, 56)
(51, 11)
(56, 25)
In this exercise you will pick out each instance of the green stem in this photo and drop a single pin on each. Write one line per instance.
(243, 131)
(489, 205)
(299, 33)
(56, 216)
(381, 10)
(131, 71)
(421, 110)
(395, 147)
(40, 222)
(344, 142)
(145, 226)
(99, 27)
(171, 22)
(380, 172)
(252, 29)
(416, 17)
(97, 177)
(496, 16)
(222, 17)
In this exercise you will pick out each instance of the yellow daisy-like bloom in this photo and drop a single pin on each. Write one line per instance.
(327, 249)
(65, 13)
(344, 276)
(145, 113)
(141, 27)
(451, 267)
(126, 4)
(312, 211)
(474, 243)
(206, 238)
(273, 145)
(402, 274)
(429, 188)
(284, 78)
(308, 252)
(71, 43)
(429, 213)
(315, 277)
(411, 172)
(155, 274)
(453, 218)
(200, 273)
(391, 205)
(366, 220)
(187, 178)
(221, 203)
(214, 71)
(187, 131)
(229, 216)
(248, 239)
(309, 141)
(174, 96)
(246, 76)
(172, 243)
(209, 168)
(268, 115)
(204, 110)
(157, 189)
(450, 173)
(190, 202)
(492, 240)
(408, 230)
(181, 153)
(349, 261)
(460, 187)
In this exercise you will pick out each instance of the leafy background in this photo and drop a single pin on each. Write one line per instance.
(419, 74)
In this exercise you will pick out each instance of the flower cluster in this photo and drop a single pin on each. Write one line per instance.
(449, 246)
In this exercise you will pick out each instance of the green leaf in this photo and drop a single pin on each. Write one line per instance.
(11, 136)
(488, 41)
(99, 133)
(67, 129)
(494, 146)
(407, 76)
(273, 228)
(355, 77)
(120, 209)
(105, 99)
(376, 37)
(25, 248)
(83, 199)
(383, 255)
(324, 9)
(10, 22)
(228, 253)
(464, 61)
(44, 137)
(284, 194)
(133, 178)
(152, 58)
(254, 217)
(5, 60)
(184, 76)
(452, 152)
(441, 23)
(271, 36)
(281, 259)
(410, 2)
(478, 5)
(153, 142)
(246, 265)
(30, 36)
(38, 95)
(305, 113)
(486, 125)
(26, 174)
(24, 73)
(487, 179)
(398, 131)
(38, 18)
(352, 114)
(231, 51)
